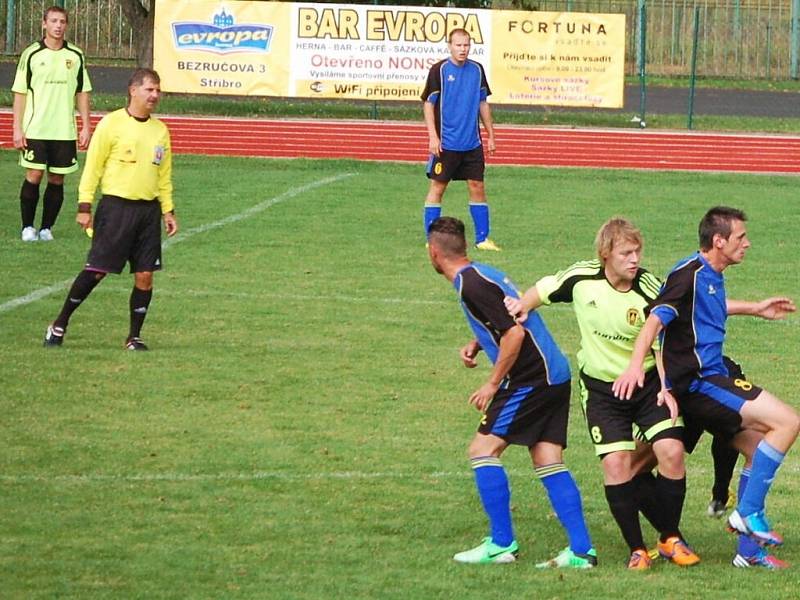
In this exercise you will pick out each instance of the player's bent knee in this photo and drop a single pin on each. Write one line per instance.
(486, 445)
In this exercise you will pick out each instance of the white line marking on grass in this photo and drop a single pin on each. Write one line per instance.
(276, 475)
(254, 476)
(182, 237)
(253, 210)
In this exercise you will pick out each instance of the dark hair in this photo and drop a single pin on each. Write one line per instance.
(142, 73)
(138, 77)
(718, 221)
(459, 30)
(55, 9)
(448, 235)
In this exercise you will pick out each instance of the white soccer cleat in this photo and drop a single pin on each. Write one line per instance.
(45, 235)
(29, 234)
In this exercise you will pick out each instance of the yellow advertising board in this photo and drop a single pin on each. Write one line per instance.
(563, 59)
(375, 52)
(212, 47)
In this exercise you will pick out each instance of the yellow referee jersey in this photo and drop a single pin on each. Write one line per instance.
(129, 158)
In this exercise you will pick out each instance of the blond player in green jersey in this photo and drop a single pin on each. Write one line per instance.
(51, 79)
(609, 295)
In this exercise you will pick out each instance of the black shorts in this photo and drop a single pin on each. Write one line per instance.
(57, 156)
(451, 165)
(526, 416)
(714, 404)
(612, 421)
(126, 231)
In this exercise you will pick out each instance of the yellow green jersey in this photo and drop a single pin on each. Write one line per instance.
(50, 79)
(609, 320)
(130, 158)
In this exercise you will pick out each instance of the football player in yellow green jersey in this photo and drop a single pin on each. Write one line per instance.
(51, 79)
(609, 296)
(130, 157)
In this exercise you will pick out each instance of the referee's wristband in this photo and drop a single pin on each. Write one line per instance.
(84, 207)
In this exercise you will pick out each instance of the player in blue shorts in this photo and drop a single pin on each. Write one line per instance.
(690, 314)
(525, 401)
(454, 100)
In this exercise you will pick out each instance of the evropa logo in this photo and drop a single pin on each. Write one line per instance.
(222, 36)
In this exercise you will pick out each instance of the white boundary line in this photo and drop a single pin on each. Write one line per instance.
(277, 475)
(183, 236)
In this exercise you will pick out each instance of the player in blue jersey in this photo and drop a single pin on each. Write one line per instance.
(524, 401)
(453, 101)
(690, 314)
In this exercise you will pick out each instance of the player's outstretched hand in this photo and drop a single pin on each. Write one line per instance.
(515, 309)
(624, 386)
(483, 395)
(775, 308)
(468, 354)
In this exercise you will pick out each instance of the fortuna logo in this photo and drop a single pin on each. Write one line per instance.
(711, 289)
(222, 36)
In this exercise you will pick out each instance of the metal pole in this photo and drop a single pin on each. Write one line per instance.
(769, 51)
(11, 17)
(641, 51)
(795, 37)
(694, 65)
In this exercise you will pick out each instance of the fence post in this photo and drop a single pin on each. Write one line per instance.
(694, 66)
(795, 36)
(641, 54)
(11, 17)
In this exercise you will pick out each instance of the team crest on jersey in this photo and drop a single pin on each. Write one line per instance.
(632, 316)
(451, 77)
(158, 155)
(711, 289)
(69, 63)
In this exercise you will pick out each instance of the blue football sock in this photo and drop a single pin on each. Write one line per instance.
(746, 546)
(766, 461)
(492, 484)
(480, 218)
(565, 499)
(430, 214)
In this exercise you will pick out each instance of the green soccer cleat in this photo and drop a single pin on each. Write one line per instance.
(488, 552)
(567, 559)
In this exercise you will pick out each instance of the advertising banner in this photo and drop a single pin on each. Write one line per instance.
(374, 52)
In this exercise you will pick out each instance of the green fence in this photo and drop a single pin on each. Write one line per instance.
(97, 26)
(737, 38)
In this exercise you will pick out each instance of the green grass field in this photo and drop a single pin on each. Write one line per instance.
(299, 428)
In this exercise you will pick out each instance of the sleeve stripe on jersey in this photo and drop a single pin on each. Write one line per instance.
(650, 284)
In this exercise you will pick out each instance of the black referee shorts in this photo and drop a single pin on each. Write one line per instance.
(126, 231)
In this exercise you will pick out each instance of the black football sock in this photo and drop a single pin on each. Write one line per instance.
(671, 494)
(28, 199)
(139, 302)
(646, 496)
(622, 502)
(725, 457)
(83, 285)
(53, 199)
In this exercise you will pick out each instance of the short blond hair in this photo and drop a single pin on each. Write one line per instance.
(614, 231)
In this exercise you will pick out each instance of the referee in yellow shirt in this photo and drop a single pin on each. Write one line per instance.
(130, 156)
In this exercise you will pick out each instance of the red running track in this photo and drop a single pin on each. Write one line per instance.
(516, 145)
